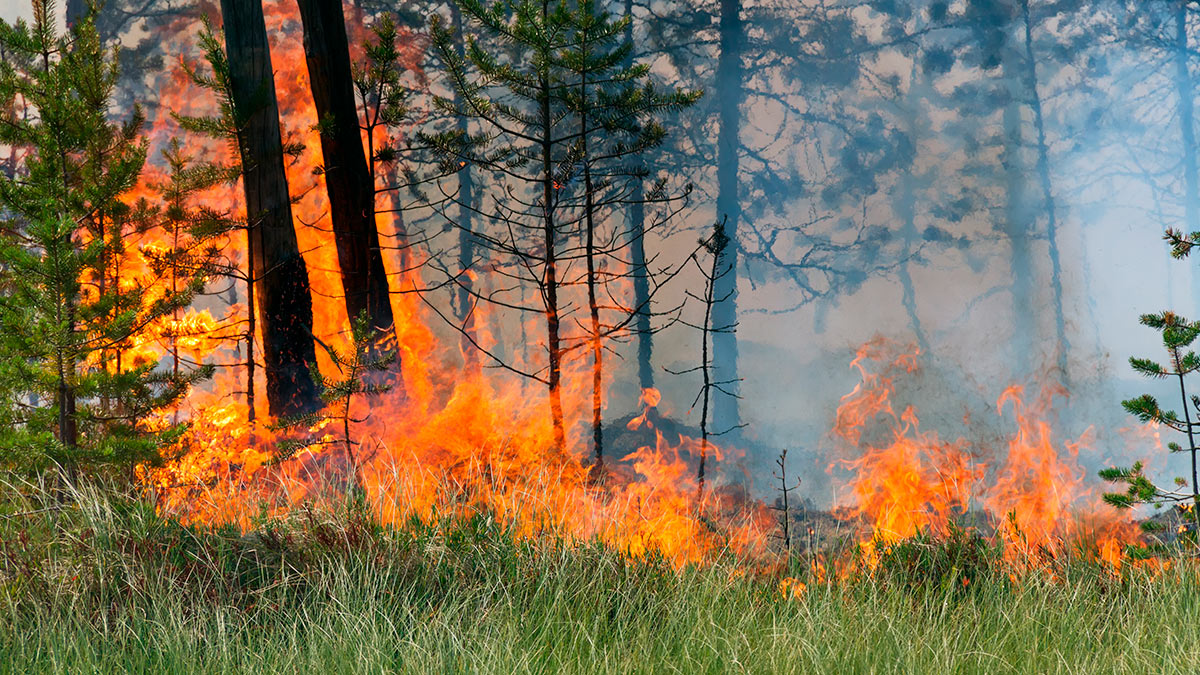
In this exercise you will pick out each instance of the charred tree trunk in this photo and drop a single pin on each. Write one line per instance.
(281, 277)
(593, 304)
(347, 177)
(637, 253)
(549, 285)
(1043, 169)
(729, 83)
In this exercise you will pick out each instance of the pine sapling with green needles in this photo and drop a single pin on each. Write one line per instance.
(1178, 335)
(339, 396)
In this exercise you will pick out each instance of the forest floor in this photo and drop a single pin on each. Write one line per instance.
(107, 585)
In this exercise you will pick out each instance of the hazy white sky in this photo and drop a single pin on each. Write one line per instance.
(11, 10)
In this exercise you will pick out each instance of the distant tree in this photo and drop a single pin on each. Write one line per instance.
(717, 247)
(1178, 335)
(60, 314)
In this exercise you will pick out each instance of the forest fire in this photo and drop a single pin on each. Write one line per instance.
(907, 482)
(512, 336)
(449, 438)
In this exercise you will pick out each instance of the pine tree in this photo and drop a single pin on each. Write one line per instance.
(61, 317)
(562, 118)
(616, 109)
(339, 396)
(1178, 335)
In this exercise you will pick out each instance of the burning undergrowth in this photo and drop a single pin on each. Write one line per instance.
(1028, 493)
(452, 439)
(476, 449)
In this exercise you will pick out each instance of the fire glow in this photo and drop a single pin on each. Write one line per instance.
(454, 441)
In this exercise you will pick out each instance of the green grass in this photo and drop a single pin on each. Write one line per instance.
(109, 586)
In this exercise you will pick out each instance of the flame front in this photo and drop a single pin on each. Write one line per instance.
(455, 441)
(904, 481)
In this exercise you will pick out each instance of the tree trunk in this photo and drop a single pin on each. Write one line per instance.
(1016, 228)
(549, 286)
(1043, 168)
(593, 303)
(906, 208)
(466, 236)
(347, 177)
(637, 253)
(1187, 128)
(281, 277)
(729, 83)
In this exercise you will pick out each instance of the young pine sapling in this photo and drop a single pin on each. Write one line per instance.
(1178, 335)
(339, 394)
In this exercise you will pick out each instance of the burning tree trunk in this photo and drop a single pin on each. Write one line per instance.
(729, 93)
(596, 338)
(347, 178)
(549, 287)
(281, 277)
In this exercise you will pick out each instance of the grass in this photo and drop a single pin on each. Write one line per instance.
(108, 585)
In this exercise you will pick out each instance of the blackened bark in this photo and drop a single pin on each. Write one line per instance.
(281, 277)
(347, 177)
(549, 289)
(729, 83)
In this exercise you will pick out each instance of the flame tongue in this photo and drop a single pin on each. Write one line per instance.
(912, 482)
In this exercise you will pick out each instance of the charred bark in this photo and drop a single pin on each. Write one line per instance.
(347, 176)
(549, 285)
(280, 275)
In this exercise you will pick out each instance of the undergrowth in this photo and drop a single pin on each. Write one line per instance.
(107, 584)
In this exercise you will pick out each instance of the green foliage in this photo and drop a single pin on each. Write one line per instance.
(71, 391)
(1178, 335)
(225, 124)
(378, 82)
